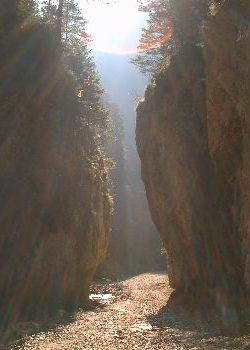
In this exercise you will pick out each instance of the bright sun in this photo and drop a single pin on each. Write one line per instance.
(115, 26)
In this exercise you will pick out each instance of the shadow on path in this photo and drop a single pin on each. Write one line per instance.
(17, 335)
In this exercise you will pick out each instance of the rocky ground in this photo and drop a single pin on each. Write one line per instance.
(131, 315)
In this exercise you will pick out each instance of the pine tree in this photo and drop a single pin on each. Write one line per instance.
(156, 41)
(172, 24)
(78, 59)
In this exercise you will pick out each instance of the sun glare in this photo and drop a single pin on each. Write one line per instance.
(114, 26)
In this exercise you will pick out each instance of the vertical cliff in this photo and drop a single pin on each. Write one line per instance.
(227, 54)
(192, 137)
(55, 206)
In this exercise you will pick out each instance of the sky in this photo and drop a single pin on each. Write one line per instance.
(124, 84)
(115, 28)
(115, 25)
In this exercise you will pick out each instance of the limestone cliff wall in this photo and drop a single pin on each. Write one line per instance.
(193, 141)
(173, 153)
(55, 207)
(227, 57)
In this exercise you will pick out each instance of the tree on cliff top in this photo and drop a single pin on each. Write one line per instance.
(78, 59)
(171, 24)
(156, 42)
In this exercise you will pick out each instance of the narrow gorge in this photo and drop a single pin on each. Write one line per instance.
(82, 265)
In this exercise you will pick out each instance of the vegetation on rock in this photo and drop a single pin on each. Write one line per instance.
(171, 25)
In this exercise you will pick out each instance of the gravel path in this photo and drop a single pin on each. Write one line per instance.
(134, 318)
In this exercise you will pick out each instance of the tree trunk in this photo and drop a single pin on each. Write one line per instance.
(59, 20)
(49, 10)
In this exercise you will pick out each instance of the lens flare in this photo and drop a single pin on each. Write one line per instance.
(114, 27)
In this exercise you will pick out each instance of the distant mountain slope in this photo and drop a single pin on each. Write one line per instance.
(124, 84)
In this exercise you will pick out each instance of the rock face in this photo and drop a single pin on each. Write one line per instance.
(55, 206)
(193, 141)
(227, 57)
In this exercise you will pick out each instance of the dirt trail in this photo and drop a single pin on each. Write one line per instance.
(131, 319)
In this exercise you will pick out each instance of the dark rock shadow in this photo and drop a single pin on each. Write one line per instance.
(17, 336)
(181, 314)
